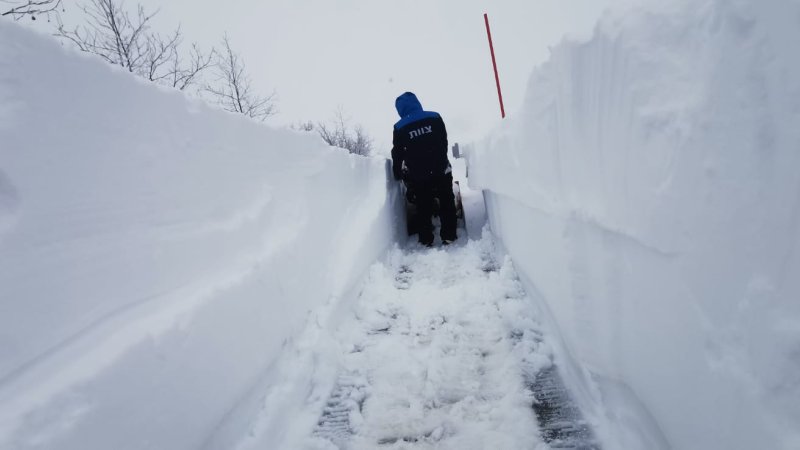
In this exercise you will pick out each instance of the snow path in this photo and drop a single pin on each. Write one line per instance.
(435, 348)
(436, 356)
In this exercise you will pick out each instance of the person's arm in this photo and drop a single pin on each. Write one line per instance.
(443, 142)
(397, 156)
(444, 134)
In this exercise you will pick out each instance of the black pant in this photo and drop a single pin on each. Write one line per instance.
(424, 193)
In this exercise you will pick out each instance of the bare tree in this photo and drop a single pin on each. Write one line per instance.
(166, 65)
(339, 133)
(113, 34)
(185, 73)
(307, 126)
(127, 40)
(233, 88)
(21, 8)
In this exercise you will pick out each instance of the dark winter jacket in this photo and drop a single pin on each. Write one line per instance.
(419, 151)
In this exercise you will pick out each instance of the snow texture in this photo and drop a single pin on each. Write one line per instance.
(648, 191)
(157, 254)
(434, 353)
(177, 277)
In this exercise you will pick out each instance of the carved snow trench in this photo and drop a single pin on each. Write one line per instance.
(444, 351)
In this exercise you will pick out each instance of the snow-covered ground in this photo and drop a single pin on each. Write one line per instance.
(155, 253)
(172, 276)
(424, 358)
(431, 341)
(649, 192)
(437, 348)
(433, 352)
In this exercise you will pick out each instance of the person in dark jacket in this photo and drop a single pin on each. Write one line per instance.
(419, 158)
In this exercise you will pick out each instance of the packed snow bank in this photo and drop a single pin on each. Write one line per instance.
(155, 254)
(649, 191)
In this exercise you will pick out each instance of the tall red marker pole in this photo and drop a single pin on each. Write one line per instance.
(494, 64)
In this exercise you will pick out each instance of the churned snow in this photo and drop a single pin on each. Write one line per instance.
(432, 341)
(431, 355)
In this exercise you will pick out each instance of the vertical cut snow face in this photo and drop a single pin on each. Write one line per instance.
(156, 253)
(649, 190)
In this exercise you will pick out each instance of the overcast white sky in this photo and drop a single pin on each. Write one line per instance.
(361, 54)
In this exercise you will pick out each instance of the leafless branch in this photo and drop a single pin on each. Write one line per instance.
(183, 74)
(233, 88)
(339, 134)
(32, 8)
(306, 126)
(127, 40)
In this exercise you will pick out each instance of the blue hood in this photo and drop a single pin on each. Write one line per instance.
(407, 104)
(410, 110)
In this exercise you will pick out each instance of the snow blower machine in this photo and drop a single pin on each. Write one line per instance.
(411, 208)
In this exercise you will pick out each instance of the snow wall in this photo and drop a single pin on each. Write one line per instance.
(156, 255)
(649, 192)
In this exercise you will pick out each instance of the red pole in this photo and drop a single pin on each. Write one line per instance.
(494, 64)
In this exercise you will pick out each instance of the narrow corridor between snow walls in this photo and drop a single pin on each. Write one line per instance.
(177, 277)
(441, 349)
